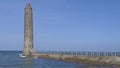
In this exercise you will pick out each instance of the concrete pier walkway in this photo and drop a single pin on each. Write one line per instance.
(93, 60)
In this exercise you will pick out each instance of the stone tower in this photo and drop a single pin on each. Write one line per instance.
(28, 31)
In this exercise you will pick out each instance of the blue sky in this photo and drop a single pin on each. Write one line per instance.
(70, 25)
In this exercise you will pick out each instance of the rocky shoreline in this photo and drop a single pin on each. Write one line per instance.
(92, 60)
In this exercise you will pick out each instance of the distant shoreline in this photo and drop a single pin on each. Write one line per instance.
(92, 60)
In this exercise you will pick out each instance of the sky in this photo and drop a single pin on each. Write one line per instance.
(62, 25)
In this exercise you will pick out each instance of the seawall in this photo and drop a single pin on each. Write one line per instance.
(93, 60)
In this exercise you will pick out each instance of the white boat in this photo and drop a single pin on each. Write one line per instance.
(21, 55)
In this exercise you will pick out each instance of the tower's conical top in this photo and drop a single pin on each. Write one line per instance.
(28, 5)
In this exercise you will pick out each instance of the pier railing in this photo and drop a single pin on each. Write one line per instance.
(77, 53)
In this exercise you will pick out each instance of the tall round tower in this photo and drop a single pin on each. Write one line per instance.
(28, 31)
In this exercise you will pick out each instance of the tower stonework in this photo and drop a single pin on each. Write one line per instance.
(28, 31)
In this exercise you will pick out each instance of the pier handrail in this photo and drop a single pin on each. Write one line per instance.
(77, 53)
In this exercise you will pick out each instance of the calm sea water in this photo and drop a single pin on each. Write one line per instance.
(11, 59)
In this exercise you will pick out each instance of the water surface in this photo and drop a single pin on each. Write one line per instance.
(11, 59)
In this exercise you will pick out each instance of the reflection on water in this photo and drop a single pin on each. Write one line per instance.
(28, 63)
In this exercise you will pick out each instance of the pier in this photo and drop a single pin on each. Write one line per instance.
(93, 58)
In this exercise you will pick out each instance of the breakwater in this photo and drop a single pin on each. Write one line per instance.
(108, 58)
(93, 60)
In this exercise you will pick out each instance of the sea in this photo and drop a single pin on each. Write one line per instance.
(12, 59)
